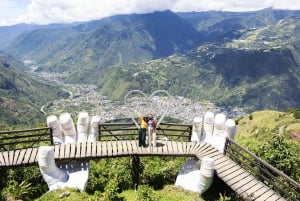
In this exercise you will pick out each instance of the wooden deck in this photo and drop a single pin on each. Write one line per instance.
(242, 182)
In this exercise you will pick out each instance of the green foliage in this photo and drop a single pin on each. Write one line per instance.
(297, 114)
(268, 135)
(104, 170)
(73, 194)
(23, 190)
(158, 171)
(146, 193)
(21, 96)
(23, 183)
(282, 154)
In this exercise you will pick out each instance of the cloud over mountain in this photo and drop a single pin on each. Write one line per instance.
(63, 11)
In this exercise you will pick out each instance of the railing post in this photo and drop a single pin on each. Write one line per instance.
(190, 132)
(99, 133)
(227, 146)
(51, 136)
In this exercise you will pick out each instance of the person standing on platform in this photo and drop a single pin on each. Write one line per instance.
(151, 128)
(142, 130)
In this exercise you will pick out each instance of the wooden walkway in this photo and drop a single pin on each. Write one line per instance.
(242, 182)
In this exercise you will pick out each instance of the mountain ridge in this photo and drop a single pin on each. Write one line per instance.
(233, 61)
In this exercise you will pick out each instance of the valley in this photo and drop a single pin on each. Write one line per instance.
(85, 97)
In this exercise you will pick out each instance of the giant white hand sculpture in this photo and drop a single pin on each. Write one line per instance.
(213, 129)
(75, 174)
(196, 179)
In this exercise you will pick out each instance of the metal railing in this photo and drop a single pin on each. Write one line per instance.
(264, 172)
(21, 139)
(128, 131)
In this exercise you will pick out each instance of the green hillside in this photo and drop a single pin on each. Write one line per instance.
(258, 71)
(96, 45)
(22, 97)
(273, 136)
(236, 60)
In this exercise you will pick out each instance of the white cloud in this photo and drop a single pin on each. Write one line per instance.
(50, 11)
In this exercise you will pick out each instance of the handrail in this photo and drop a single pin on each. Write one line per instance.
(272, 177)
(20, 139)
(127, 130)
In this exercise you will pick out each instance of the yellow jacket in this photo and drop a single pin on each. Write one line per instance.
(143, 123)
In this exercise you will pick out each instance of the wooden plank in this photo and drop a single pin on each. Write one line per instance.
(264, 193)
(251, 191)
(215, 155)
(209, 152)
(67, 150)
(99, 149)
(219, 159)
(21, 157)
(88, 149)
(220, 166)
(83, 150)
(129, 147)
(180, 148)
(236, 177)
(6, 158)
(204, 148)
(78, 150)
(2, 162)
(184, 147)
(104, 149)
(196, 148)
(134, 145)
(33, 156)
(11, 155)
(56, 151)
(168, 148)
(174, 147)
(238, 186)
(61, 151)
(223, 171)
(115, 148)
(108, 147)
(228, 171)
(124, 148)
(27, 156)
(244, 189)
(94, 149)
(276, 197)
(73, 150)
(159, 149)
(191, 147)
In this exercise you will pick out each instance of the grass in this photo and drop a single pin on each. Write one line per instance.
(256, 128)
(168, 193)
(218, 191)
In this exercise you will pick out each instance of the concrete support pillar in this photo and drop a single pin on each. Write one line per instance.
(135, 170)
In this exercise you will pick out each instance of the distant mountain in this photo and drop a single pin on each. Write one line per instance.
(225, 26)
(10, 33)
(112, 41)
(20, 96)
(249, 60)
(259, 70)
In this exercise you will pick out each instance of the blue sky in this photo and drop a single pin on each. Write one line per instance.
(64, 11)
